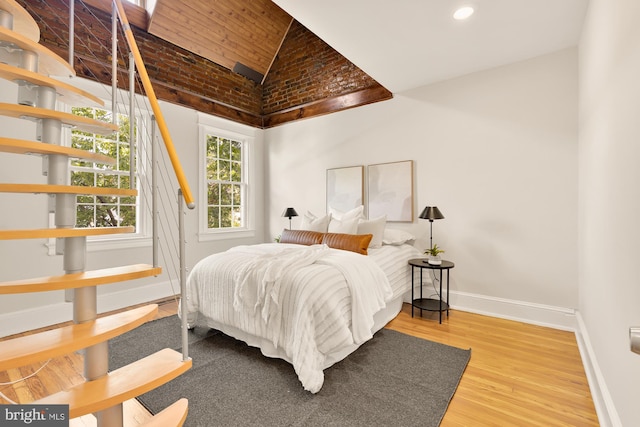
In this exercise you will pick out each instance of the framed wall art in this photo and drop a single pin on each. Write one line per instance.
(390, 191)
(345, 188)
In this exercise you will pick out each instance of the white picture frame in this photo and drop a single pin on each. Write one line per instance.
(345, 188)
(390, 191)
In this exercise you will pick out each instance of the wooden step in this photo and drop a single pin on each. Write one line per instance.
(23, 23)
(20, 146)
(68, 94)
(85, 124)
(67, 189)
(54, 233)
(34, 348)
(79, 280)
(122, 384)
(173, 415)
(48, 62)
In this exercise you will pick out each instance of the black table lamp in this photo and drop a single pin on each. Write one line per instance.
(290, 213)
(431, 213)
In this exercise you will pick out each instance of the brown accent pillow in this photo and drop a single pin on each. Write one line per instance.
(301, 237)
(357, 243)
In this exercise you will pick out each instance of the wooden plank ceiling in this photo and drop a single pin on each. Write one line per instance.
(241, 35)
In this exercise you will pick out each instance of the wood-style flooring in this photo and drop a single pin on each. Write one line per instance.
(518, 375)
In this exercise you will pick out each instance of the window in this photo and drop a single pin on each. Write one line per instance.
(225, 183)
(226, 203)
(105, 211)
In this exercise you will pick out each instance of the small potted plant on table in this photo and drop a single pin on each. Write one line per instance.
(434, 255)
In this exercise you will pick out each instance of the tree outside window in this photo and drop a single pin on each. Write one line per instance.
(225, 183)
(103, 211)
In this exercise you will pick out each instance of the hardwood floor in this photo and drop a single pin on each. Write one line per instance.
(518, 375)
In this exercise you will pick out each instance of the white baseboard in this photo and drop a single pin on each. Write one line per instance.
(553, 317)
(521, 311)
(606, 410)
(21, 321)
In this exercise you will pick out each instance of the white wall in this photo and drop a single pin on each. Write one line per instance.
(609, 199)
(496, 151)
(29, 259)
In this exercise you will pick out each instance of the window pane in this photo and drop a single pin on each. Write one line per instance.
(85, 179)
(236, 151)
(123, 157)
(124, 182)
(214, 194)
(237, 217)
(212, 170)
(212, 146)
(109, 181)
(226, 194)
(226, 217)
(128, 215)
(225, 149)
(106, 216)
(85, 216)
(225, 170)
(86, 199)
(123, 128)
(237, 199)
(214, 217)
(236, 172)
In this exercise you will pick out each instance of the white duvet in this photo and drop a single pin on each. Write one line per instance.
(308, 301)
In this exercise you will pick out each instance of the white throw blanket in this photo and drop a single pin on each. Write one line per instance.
(307, 300)
(257, 283)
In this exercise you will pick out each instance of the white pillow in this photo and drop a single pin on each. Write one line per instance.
(375, 227)
(396, 237)
(315, 223)
(350, 214)
(347, 226)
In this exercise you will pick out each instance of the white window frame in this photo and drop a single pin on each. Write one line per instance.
(209, 125)
(143, 234)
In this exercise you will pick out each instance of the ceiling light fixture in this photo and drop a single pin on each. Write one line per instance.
(463, 13)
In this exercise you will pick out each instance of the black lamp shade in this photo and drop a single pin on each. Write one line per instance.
(431, 213)
(289, 213)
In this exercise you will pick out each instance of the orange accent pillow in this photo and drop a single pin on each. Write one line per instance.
(301, 237)
(357, 243)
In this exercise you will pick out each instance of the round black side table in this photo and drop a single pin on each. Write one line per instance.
(429, 304)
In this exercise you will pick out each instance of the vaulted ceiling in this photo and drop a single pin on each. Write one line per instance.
(402, 43)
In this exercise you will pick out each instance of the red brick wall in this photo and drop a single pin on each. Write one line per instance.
(307, 69)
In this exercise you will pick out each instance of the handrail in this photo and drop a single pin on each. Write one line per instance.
(162, 126)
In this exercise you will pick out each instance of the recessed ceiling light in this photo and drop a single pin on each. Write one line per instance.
(463, 13)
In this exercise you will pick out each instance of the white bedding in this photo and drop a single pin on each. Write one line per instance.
(310, 305)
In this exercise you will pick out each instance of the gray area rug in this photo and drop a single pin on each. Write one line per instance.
(392, 380)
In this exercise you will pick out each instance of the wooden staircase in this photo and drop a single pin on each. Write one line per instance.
(29, 64)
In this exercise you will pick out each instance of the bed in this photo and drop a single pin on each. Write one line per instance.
(309, 301)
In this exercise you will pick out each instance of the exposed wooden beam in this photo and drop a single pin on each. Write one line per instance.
(327, 106)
